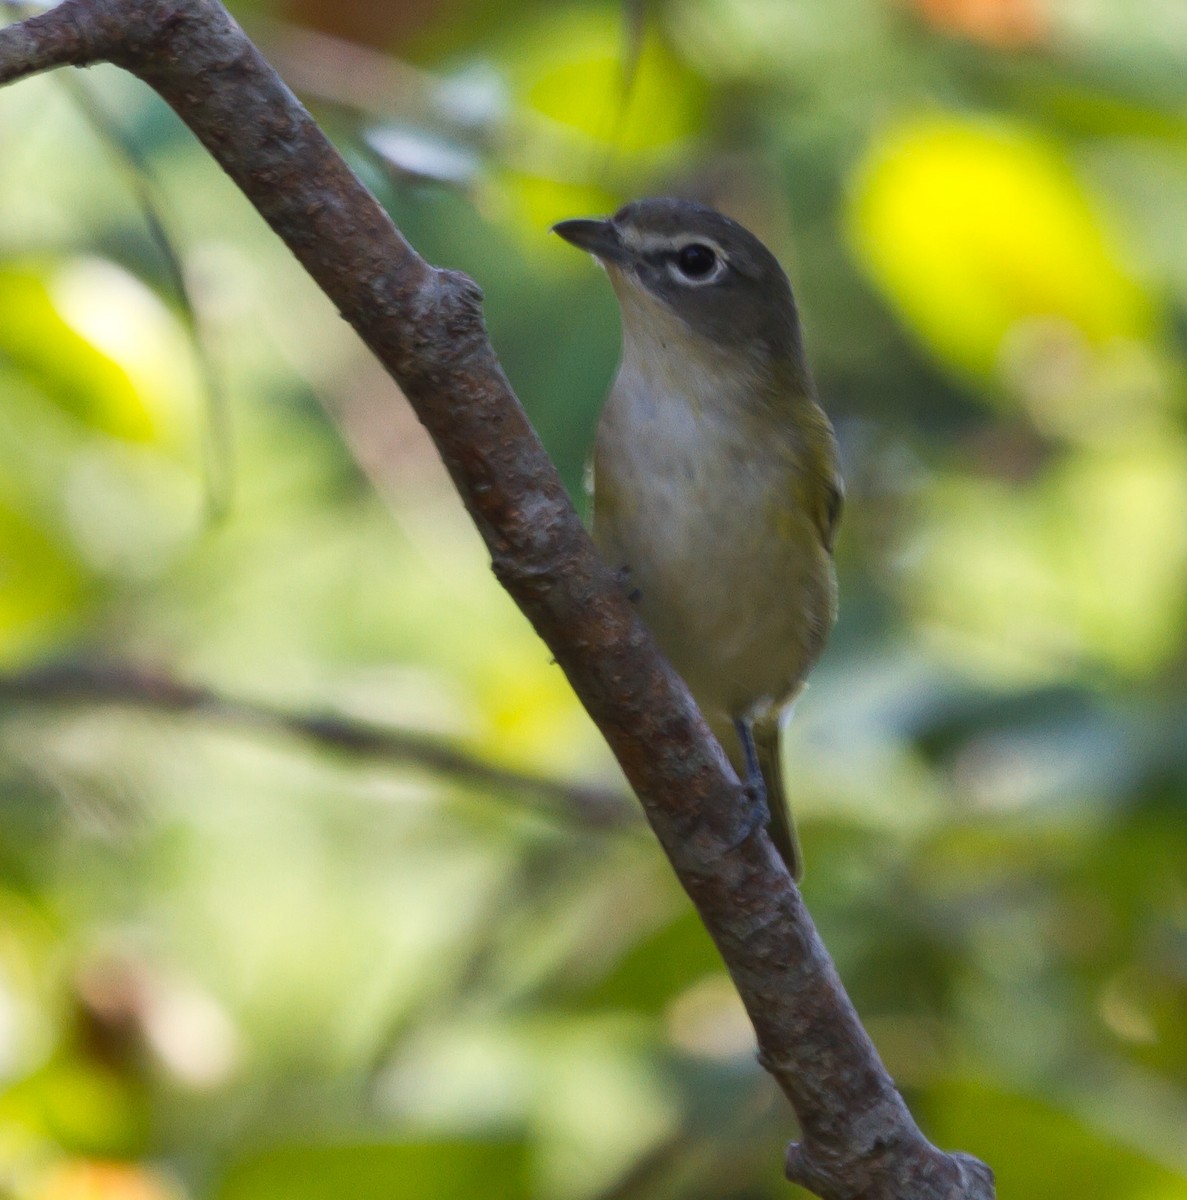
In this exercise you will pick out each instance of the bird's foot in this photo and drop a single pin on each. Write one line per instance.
(624, 575)
(750, 818)
(755, 787)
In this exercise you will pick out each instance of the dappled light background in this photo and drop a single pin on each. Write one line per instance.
(234, 965)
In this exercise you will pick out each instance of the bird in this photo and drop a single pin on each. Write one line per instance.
(716, 486)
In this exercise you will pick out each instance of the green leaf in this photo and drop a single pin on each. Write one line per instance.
(83, 1107)
(442, 1170)
(1040, 1152)
(659, 968)
(67, 369)
(41, 588)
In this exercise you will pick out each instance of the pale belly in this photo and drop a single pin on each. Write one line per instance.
(728, 571)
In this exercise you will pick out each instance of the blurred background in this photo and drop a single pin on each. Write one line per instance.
(237, 961)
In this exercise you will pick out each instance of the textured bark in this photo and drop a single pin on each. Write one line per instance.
(425, 326)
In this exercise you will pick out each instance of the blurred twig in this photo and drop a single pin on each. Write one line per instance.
(350, 75)
(124, 685)
(218, 439)
(136, 169)
(381, 88)
(425, 325)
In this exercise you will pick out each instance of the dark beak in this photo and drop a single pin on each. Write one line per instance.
(600, 238)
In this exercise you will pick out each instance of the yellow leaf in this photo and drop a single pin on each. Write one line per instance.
(972, 227)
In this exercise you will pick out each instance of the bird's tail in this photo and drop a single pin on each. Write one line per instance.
(766, 732)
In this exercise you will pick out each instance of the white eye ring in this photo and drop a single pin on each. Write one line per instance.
(682, 266)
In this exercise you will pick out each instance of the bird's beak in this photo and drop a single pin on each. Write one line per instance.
(600, 238)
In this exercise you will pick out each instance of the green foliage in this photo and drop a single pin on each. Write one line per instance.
(380, 1171)
(38, 343)
(1044, 1152)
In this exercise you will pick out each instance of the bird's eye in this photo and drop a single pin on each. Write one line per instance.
(696, 261)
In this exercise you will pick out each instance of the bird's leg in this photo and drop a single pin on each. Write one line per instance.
(754, 785)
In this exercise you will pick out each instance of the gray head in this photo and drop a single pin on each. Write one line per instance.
(717, 277)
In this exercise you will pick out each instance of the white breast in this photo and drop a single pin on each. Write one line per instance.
(695, 497)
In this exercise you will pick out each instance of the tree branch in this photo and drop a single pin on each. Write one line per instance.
(425, 326)
(120, 684)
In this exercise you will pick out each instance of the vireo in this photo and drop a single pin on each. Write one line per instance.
(715, 482)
